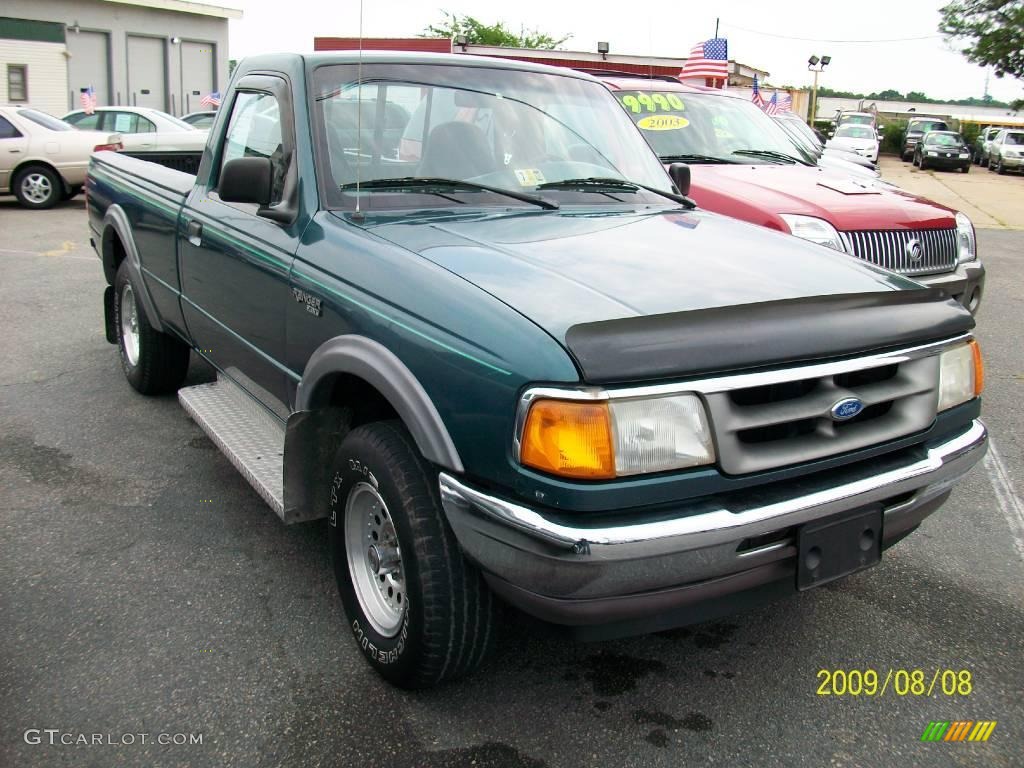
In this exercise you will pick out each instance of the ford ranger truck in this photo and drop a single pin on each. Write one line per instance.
(742, 165)
(481, 331)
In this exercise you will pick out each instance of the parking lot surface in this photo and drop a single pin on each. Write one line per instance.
(146, 589)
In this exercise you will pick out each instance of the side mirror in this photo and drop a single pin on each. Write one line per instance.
(680, 175)
(246, 180)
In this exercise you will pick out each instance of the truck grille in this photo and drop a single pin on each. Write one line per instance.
(764, 427)
(888, 248)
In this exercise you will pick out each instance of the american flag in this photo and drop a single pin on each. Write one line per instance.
(756, 96)
(88, 99)
(211, 100)
(709, 59)
(772, 107)
(786, 103)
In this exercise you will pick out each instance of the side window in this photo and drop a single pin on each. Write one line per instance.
(85, 122)
(254, 130)
(8, 131)
(144, 125)
(121, 122)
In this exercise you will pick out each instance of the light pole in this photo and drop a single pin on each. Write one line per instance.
(816, 65)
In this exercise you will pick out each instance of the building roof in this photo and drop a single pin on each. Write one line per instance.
(183, 6)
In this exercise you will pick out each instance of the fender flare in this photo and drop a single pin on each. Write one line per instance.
(116, 220)
(382, 369)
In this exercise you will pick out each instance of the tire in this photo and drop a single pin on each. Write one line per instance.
(999, 167)
(435, 621)
(154, 363)
(71, 192)
(38, 187)
(967, 169)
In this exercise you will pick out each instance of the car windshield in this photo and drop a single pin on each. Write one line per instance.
(456, 127)
(855, 132)
(923, 126)
(707, 126)
(1014, 138)
(45, 120)
(856, 120)
(942, 139)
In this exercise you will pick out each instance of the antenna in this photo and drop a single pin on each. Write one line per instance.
(359, 117)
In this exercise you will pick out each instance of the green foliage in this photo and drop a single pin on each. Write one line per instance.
(993, 31)
(970, 132)
(478, 33)
(892, 137)
(892, 95)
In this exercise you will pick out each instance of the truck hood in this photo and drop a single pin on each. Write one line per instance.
(571, 270)
(768, 190)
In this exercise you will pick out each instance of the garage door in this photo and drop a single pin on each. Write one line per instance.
(147, 72)
(197, 62)
(89, 64)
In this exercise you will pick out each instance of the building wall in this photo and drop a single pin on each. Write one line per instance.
(210, 33)
(46, 69)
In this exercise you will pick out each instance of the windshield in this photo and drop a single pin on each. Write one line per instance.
(856, 120)
(943, 139)
(708, 125)
(855, 132)
(45, 120)
(499, 128)
(923, 126)
(1014, 138)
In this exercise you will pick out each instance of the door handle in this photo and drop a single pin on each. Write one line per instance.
(195, 233)
(14, 151)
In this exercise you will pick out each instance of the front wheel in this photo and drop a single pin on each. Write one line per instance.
(153, 362)
(419, 612)
(999, 167)
(38, 187)
(967, 169)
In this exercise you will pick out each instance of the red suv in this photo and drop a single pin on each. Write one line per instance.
(743, 165)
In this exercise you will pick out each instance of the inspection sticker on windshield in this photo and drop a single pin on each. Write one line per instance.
(662, 123)
(529, 177)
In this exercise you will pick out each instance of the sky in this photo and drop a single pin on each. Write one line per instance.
(869, 40)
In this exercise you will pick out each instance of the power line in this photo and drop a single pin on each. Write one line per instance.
(822, 40)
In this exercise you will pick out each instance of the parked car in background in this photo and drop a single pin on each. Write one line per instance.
(43, 159)
(858, 138)
(200, 120)
(142, 129)
(917, 127)
(856, 118)
(742, 165)
(943, 149)
(1006, 152)
(830, 158)
(982, 145)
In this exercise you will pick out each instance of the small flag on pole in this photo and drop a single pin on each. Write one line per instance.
(756, 96)
(772, 108)
(709, 60)
(786, 103)
(88, 99)
(211, 100)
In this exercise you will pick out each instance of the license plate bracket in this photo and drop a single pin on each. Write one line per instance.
(836, 547)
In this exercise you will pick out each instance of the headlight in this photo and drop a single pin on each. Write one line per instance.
(599, 440)
(967, 247)
(961, 375)
(813, 229)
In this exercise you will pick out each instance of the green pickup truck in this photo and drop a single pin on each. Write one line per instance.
(458, 308)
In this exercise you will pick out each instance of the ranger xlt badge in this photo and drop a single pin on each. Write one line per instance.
(312, 302)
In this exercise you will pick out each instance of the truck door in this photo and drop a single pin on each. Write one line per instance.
(234, 264)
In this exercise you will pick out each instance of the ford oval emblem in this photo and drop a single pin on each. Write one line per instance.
(846, 409)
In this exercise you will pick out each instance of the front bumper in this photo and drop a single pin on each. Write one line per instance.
(966, 283)
(1014, 163)
(581, 570)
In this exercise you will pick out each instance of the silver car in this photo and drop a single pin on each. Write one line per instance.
(1007, 151)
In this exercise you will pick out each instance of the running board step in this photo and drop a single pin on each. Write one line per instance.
(249, 435)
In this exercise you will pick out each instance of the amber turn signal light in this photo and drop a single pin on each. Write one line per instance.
(979, 367)
(570, 439)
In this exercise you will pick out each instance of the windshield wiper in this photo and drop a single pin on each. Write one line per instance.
(604, 183)
(694, 159)
(769, 153)
(426, 182)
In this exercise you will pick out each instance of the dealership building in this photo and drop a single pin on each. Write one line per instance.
(165, 54)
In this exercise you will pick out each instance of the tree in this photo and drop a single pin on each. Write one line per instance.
(993, 31)
(478, 33)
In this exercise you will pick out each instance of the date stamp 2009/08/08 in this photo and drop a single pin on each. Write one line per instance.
(896, 682)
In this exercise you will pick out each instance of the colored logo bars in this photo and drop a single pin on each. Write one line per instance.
(958, 730)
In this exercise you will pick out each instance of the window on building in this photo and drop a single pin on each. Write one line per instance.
(17, 82)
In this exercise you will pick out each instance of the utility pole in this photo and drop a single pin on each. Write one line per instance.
(716, 26)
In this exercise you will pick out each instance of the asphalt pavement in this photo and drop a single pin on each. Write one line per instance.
(146, 590)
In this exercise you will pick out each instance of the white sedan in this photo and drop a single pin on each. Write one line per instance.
(861, 139)
(43, 159)
(143, 129)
